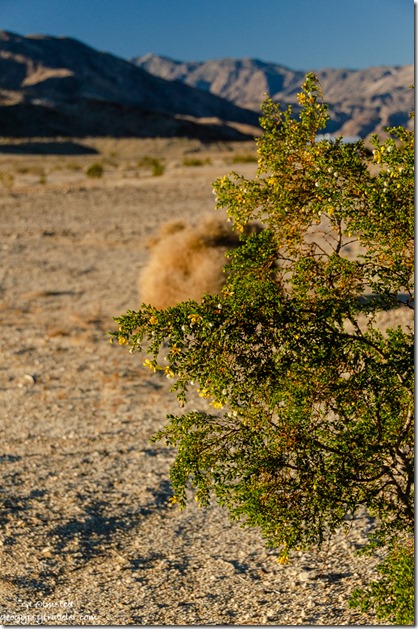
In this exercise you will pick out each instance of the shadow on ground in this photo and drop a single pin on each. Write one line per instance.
(47, 148)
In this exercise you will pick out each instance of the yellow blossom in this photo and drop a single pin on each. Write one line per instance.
(217, 404)
(169, 372)
(148, 363)
(123, 340)
(153, 320)
(194, 318)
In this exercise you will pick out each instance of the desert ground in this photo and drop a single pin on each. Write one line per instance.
(88, 535)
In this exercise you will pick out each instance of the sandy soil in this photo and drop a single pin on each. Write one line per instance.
(87, 533)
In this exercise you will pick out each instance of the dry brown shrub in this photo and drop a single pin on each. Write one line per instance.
(187, 261)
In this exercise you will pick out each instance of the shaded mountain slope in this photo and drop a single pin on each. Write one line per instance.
(63, 85)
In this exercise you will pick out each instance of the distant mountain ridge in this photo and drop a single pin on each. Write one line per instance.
(58, 85)
(361, 101)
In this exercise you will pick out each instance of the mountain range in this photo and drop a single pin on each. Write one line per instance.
(361, 101)
(52, 86)
(59, 86)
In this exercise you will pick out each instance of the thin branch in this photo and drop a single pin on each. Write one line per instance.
(340, 238)
(406, 426)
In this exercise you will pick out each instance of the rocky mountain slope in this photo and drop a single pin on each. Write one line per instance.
(59, 86)
(361, 101)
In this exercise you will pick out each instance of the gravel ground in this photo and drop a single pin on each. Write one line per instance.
(88, 535)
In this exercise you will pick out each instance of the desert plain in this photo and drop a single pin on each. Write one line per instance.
(88, 535)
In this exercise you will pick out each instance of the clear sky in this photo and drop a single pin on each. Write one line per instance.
(301, 34)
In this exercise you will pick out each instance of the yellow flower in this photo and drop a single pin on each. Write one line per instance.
(123, 340)
(153, 320)
(175, 350)
(169, 372)
(203, 393)
(148, 363)
(217, 404)
(194, 318)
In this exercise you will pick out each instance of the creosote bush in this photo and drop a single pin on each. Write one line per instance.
(393, 595)
(312, 400)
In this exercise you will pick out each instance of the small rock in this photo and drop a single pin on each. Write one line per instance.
(47, 551)
(31, 378)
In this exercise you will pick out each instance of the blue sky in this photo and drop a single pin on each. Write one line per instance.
(301, 34)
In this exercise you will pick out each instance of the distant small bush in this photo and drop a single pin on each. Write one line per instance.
(30, 170)
(156, 166)
(195, 161)
(7, 180)
(111, 161)
(244, 159)
(95, 170)
(73, 166)
(23, 170)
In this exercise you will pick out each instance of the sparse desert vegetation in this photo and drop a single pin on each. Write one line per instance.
(114, 159)
(153, 163)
